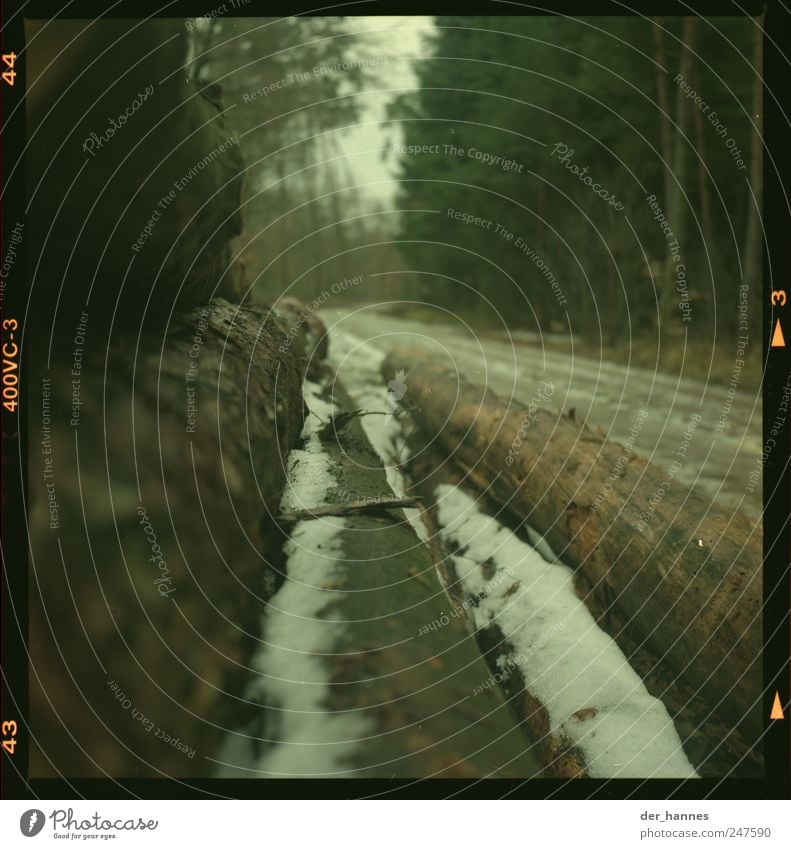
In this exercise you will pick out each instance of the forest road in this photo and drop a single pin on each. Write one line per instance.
(717, 453)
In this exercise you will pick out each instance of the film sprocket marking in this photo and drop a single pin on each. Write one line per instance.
(279, 261)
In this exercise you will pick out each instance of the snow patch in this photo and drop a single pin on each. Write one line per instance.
(308, 476)
(299, 629)
(358, 365)
(592, 694)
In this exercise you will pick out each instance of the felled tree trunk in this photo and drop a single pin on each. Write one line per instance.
(685, 574)
(150, 472)
(714, 747)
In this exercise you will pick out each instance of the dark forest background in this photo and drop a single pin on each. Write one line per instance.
(513, 87)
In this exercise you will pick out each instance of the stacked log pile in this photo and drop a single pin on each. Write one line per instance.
(681, 580)
(150, 565)
(403, 697)
(160, 419)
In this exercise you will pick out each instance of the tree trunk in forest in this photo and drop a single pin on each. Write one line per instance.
(663, 100)
(151, 548)
(117, 229)
(686, 575)
(703, 177)
(160, 434)
(753, 242)
(283, 238)
(677, 200)
(342, 201)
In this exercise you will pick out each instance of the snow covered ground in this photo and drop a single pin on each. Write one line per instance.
(592, 695)
(298, 631)
(722, 462)
(358, 365)
(578, 672)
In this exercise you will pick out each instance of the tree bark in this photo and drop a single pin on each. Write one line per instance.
(686, 575)
(703, 178)
(714, 747)
(664, 105)
(151, 551)
(677, 199)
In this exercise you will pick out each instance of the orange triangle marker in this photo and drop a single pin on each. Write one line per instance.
(777, 708)
(778, 340)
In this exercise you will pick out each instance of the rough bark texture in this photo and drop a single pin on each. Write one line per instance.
(714, 747)
(148, 570)
(687, 581)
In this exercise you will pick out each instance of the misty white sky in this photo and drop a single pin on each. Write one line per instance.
(398, 39)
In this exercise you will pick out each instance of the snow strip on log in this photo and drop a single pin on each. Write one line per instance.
(579, 674)
(358, 365)
(295, 677)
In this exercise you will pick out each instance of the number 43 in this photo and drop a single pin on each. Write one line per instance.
(9, 729)
(10, 75)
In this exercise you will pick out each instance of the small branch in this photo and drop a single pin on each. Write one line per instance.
(350, 508)
(339, 421)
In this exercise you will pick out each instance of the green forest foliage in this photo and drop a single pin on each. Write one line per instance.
(291, 87)
(517, 88)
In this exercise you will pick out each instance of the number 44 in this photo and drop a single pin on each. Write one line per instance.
(10, 75)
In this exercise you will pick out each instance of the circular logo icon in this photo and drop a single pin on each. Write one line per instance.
(31, 822)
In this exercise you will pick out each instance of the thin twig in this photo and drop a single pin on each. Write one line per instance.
(350, 508)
